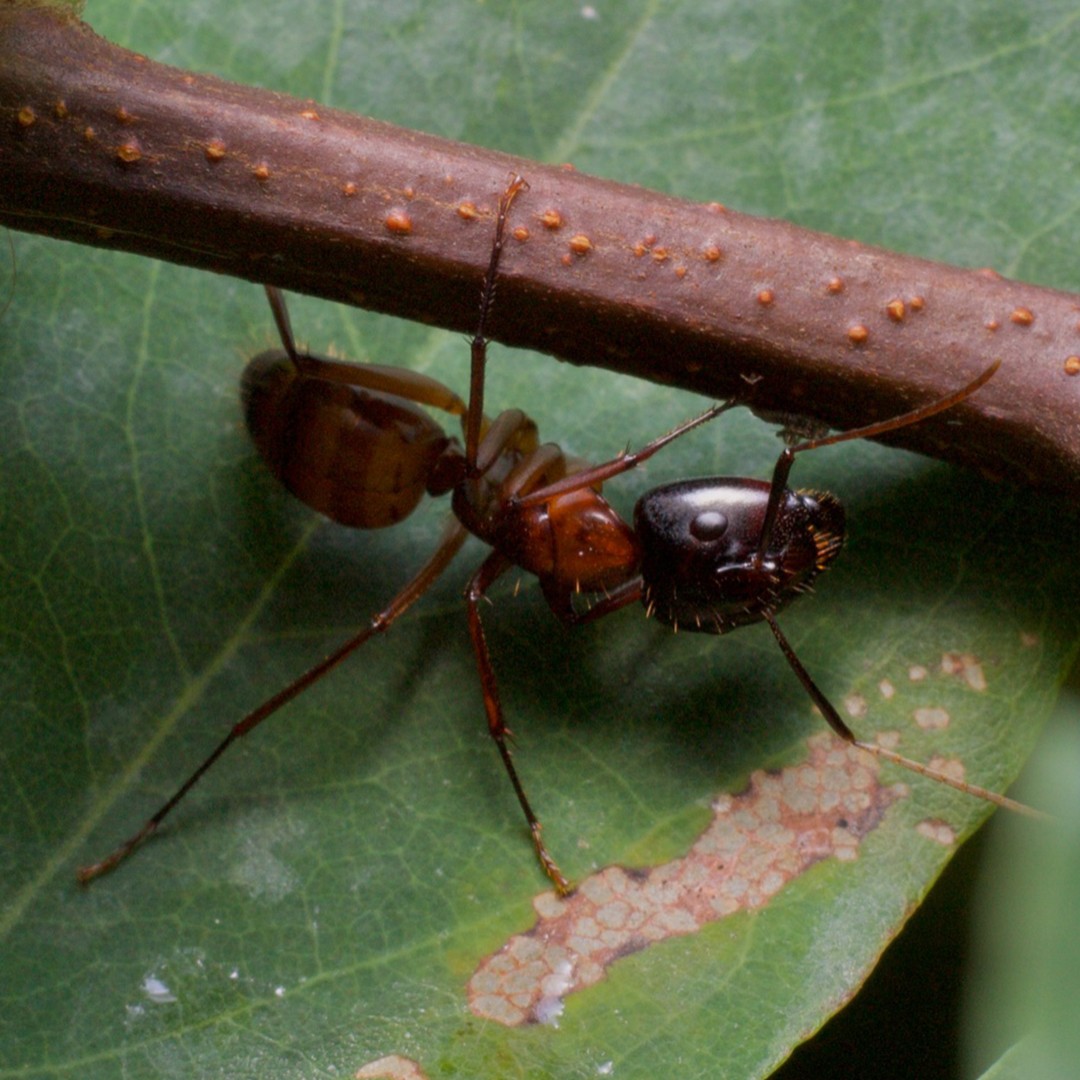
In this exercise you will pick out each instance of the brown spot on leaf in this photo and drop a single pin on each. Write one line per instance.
(855, 705)
(939, 831)
(966, 666)
(932, 718)
(756, 844)
(951, 767)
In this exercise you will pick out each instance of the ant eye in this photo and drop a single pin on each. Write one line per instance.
(709, 525)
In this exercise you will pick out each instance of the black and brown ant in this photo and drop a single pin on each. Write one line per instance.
(706, 555)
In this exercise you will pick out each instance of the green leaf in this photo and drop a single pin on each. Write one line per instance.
(1014, 1064)
(323, 898)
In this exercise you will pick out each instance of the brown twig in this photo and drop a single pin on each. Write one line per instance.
(104, 147)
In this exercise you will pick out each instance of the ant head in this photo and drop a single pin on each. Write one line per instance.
(700, 539)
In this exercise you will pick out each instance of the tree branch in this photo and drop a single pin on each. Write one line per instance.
(104, 147)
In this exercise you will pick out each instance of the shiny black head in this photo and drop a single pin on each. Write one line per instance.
(700, 543)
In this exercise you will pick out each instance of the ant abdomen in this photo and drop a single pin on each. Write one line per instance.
(362, 457)
(701, 567)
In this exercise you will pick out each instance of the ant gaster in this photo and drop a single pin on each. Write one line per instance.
(711, 555)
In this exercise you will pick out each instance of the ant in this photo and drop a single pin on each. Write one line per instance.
(707, 555)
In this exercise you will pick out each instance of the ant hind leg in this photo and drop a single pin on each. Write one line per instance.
(492, 567)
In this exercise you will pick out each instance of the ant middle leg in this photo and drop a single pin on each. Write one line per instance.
(475, 421)
(623, 462)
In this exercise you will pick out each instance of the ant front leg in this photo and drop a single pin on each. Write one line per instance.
(719, 553)
(871, 431)
(832, 717)
(765, 558)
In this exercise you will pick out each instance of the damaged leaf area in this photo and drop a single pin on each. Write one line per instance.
(756, 844)
(394, 1067)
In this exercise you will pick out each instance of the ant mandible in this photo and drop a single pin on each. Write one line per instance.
(711, 555)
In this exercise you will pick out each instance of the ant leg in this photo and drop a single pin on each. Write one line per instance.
(510, 432)
(475, 418)
(280, 311)
(560, 600)
(494, 565)
(411, 385)
(452, 539)
(871, 431)
(626, 461)
(845, 733)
